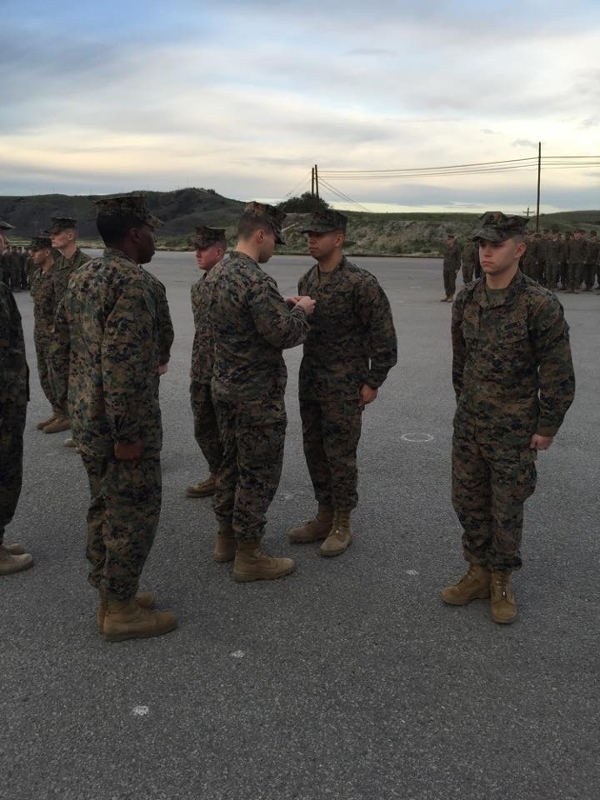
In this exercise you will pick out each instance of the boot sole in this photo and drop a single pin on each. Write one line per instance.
(480, 596)
(195, 495)
(224, 559)
(504, 621)
(121, 637)
(308, 540)
(242, 578)
(15, 571)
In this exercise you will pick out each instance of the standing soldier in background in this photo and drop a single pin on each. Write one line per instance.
(252, 324)
(15, 269)
(529, 260)
(44, 306)
(540, 275)
(14, 393)
(591, 261)
(108, 354)
(348, 353)
(468, 261)
(4, 252)
(554, 256)
(564, 267)
(210, 245)
(63, 235)
(513, 378)
(577, 249)
(450, 266)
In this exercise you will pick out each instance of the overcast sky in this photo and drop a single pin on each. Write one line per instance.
(244, 97)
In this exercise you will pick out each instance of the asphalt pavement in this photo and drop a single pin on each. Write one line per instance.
(349, 679)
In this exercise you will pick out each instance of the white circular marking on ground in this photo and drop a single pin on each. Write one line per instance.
(140, 711)
(416, 437)
(238, 654)
(411, 572)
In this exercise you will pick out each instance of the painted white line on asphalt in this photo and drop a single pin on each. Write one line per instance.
(140, 711)
(411, 572)
(238, 654)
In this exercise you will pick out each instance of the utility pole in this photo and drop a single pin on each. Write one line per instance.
(527, 213)
(537, 218)
(316, 182)
(312, 181)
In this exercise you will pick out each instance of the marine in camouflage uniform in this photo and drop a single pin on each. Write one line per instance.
(63, 235)
(577, 256)
(540, 273)
(107, 359)
(468, 261)
(450, 266)
(348, 353)
(14, 393)
(592, 255)
(251, 323)
(44, 306)
(210, 245)
(529, 260)
(554, 257)
(513, 377)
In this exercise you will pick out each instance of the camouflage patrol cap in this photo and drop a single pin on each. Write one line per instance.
(593, 233)
(127, 205)
(498, 227)
(325, 221)
(41, 242)
(205, 237)
(6, 226)
(270, 215)
(579, 230)
(58, 224)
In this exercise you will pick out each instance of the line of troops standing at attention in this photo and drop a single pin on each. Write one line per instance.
(512, 374)
(567, 264)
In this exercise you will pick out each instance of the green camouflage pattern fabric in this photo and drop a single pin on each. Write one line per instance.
(122, 521)
(575, 266)
(494, 226)
(44, 305)
(554, 258)
(107, 353)
(58, 224)
(325, 221)
(271, 216)
(134, 205)
(14, 393)
(512, 369)
(490, 484)
(63, 269)
(204, 236)
(166, 332)
(352, 340)
(469, 257)
(251, 325)
(206, 428)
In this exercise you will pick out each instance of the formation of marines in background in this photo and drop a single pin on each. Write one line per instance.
(569, 263)
(103, 336)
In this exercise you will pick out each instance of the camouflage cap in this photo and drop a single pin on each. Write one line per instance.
(593, 233)
(272, 216)
(58, 224)
(128, 205)
(579, 230)
(498, 227)
(205, 237)
(325, 221)
(6, 226)
(41, 242)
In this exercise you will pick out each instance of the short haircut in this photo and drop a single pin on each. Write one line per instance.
(113, 228)
(250, 223)
(222, 243)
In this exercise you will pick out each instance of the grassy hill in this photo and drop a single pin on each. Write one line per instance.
(184, 209)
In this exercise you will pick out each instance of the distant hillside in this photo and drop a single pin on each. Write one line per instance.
(184, 209)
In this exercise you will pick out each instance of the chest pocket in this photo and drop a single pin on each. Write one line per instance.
(513, 331)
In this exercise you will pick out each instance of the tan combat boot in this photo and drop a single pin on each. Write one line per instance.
(475, 585)
(70, 442)
(503, 604)
(41, 425)
(226, 545)
(251, 564)
(339, 537)
(60, 424)
(450, 298)
(315, 529)
(14, 549)
(203, 489)
(143, 599)
(11, 562)
(126, 619)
